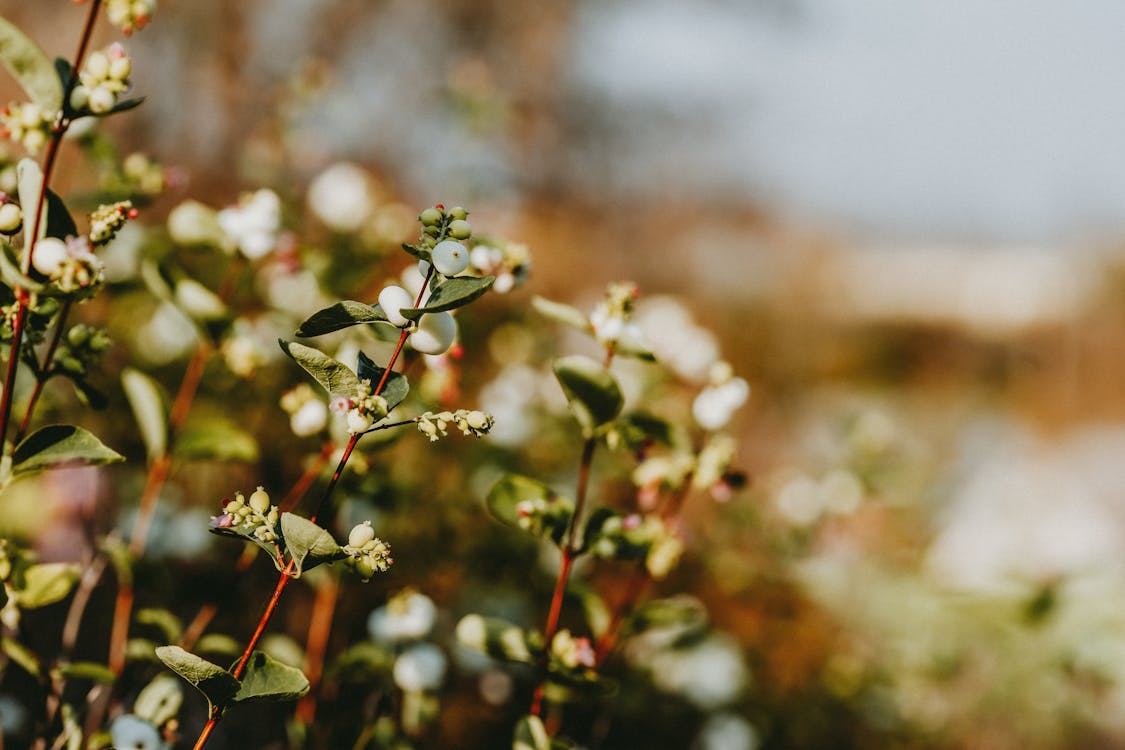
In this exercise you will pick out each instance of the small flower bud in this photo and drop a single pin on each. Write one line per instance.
(11, 218)
(120, 68)
(457, 213)
(361, 534)
(430, 217)
(393, 299)
(97, 64)
(450, 258)
(101, 100)
(260, 500)
(460, 229)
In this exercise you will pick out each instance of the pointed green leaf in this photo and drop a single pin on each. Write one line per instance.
(197, 301)
(396, 387)
(215, 439)
(530, 734)
(167, 623)
(60, 445)
(308, 543)
(592, 391)
(47, 583)
(339, 316)
(333, 376)
(531, 506)
(88, 670)
(267, 679)
(217, 684)
(89, 395)
(60, 223)
(21, 655)
(29, 181)
(11, 274)
(560, 313)
(125, 105)
(160, 700)
(147, 401)
(452, 293)
(31, 67)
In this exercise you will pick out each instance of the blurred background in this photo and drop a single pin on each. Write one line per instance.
(901, 220)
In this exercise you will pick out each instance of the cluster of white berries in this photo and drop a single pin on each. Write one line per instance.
(108, 219)
(367, 554)
(308, 415)
(723, 396)
(469, 422)
(144, 175)
(70, 264)
(103, 78)
(640, 537)
(509, 262)
(253, 225)
(27, 124)
(363, 410)
(11, 216)
(611, 318)
(543, 518)
(255, 515)
(130, 15)
(433, 334)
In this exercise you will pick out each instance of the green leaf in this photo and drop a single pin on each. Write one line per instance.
(47, 583)
(637, 429)
(592, 391)
(595, 609)
(216, 439)
(217, 684)
(29, 181)
(60, 223)
(592, 529)
(11, 274)
(31, 67)
(160, 700)
(308, 543)
(170, 626)
(498, 638)
(530, 734)
(333, 376)
(452, 293)
(21, 655)
(684, 613)
(88, 394)
(363, 662)
(552, 511)
(267, 679)
(341, 315)
(117, 552)
(396, 387)
(88, 670)
(147, 401)
(198, 302)
(560, 313)
(125, 105)
(627, 345)
(60, 445)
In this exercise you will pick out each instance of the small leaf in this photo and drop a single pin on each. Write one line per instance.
(12, 275)
(60, 445)
(29, 181)
(595, 609)
(31, 67)
(21, 655)
(308, 543)
(638, 429)
(396, 387)
(125, 105)
(89, 670)
(333, 376)
(167, 623)
(530, 734)
(217, 684)
(560, 313)
(47, 583)
(498, 638)
(160, 700)
(88, 394)
(216, 439)
(147, 401)
(628, 345)
(267, 679)
(363, 662)
(551, 512)
(60, 223)
(341, 315)
(684, 613)
(592, 391)
(198, 302)
(592, 529)
(452, 293)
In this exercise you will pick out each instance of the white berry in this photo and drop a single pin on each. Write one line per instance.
(450, 258)
(361, 534)
(393, 299)
(435, 333)
(50, 253)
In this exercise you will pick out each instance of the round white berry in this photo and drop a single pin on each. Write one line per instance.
(450, 258)
(50, 253)
(361, 534)
(101, 100)
(260, 500)
(435, 333)
(358, 422)
(11, 218)
(393, 299)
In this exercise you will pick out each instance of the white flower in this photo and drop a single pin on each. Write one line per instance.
(340, 196)
(407, 616)
(421, 667)
(716, 404)
(253, 224)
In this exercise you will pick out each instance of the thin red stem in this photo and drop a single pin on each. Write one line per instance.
(44, 373)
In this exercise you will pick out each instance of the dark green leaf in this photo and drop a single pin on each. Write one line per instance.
(89, 395)
(217, 684)
(396, 387)
(363, 663)
(638, 429)
(11, 274)
(60, 223)
(591, 390)
(60, 445)
(560, 313)
(333, 376)
(308, 543)
(267, 679)
(88, 670)
(551, 515)
(47, 583)
(31, 67)
(339, 316)
(215, 439)
(452, 293)
(147, 401)
(593, 527)
(126, 104)
(684, 613)
(530, 734)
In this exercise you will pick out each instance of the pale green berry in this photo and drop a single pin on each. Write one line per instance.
(11, 218)
(457, 213)
(101, 100)
(79, 97)
(393, 299)
(97, 65)
(120, 68)
(260, 500)
(450, 258)
(460, 229)
(361, 534)
(363, 569)
(430, 217)
(435, 333)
